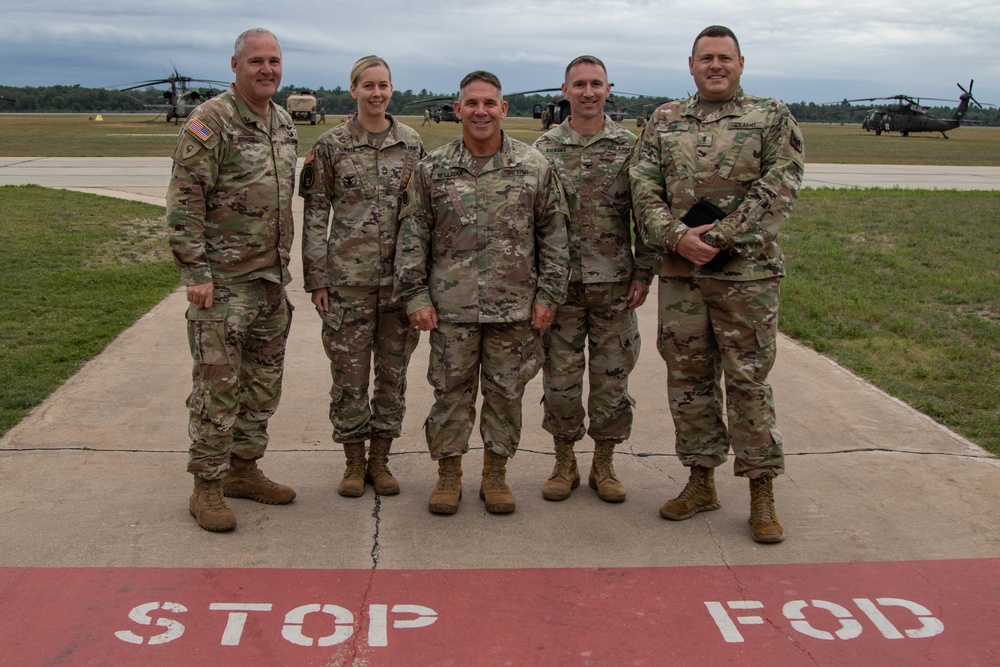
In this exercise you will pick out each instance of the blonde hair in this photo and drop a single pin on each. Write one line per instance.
(365, 63)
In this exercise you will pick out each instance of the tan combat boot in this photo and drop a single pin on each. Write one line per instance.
(377, 473)
(353, 484)
(245, 480)
(764, 524)
(448, 490)
(565, 475)
(494, 489)
(602, 473)
(698, 496)
(209, 508)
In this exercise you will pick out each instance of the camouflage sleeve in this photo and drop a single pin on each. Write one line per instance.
(656, 227)
(413, 243)
(551, 241)
(195, 172)
(315, 220)
(646, 262)
(757, 220)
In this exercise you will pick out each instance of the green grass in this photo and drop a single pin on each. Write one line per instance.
(903, 288)
(143, 135)
(78, 269)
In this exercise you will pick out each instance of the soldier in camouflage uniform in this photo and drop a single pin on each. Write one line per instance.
(482, 263)
(744, 155)
(229, 209)
(590, 153)
(359, 170)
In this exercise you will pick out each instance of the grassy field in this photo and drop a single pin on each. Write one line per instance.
(903, 288)
(79, 269)
(127, 135)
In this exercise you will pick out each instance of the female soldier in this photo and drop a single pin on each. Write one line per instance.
(359, 170)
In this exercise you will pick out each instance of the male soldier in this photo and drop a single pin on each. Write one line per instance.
(427, 117)
(742, 154)
(482, 262)
(589, 153)
(229, 209)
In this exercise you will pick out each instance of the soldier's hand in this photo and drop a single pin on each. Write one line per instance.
(200, 295)
(425, 319)
(321, 299)
(637, 291)
(692, 248)
(541, 317)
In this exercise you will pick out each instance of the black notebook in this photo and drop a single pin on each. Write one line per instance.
(705, 213)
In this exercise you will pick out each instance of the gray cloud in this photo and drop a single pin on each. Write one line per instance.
(802, 50)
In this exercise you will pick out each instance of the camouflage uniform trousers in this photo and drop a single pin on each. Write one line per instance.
(595, 318)
(238, 347)
(364, 323)
(709, 328)
(508, 355)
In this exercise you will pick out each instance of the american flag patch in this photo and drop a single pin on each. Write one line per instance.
(200, 130)
(310, 156)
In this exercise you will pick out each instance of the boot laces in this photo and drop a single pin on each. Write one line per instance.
(695, 484)
(763, 500)
(213, 498)
(256, 476)
(448, 477)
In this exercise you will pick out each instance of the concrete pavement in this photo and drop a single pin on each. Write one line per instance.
(94, 478)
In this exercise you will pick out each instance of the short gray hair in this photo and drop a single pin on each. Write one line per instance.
(252, 32)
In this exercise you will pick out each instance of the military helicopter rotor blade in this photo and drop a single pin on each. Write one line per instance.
(139, 84)
(443, 98)
(540, 90)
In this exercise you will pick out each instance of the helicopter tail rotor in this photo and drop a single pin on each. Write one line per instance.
(969, 93)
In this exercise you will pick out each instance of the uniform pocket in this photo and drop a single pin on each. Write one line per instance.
(532, 353)
(333, 317)
(767, 332)
(207, 334)
(630, 342)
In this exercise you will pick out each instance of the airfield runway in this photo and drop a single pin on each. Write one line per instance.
(892, 554)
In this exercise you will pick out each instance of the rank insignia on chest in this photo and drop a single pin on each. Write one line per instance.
(705, 140)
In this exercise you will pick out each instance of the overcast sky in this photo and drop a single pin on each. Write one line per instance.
(795, 50)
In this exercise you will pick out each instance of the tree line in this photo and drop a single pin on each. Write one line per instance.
(338, 102)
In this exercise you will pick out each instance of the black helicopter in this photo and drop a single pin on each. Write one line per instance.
(907, 115)
(181, 99)
(557, 109)
(439, 112)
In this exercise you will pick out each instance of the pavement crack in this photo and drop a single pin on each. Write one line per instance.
(376, 546)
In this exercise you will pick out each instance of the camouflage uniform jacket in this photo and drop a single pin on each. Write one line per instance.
(482, 248)
(746, 158)
(363, 185)
(229, 202)
(594, 176)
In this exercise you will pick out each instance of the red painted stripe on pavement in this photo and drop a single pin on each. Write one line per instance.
(927, 612)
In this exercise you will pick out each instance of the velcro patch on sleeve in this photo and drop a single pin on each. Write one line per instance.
(200, 131)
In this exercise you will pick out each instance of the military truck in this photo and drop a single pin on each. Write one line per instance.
(302, 106)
